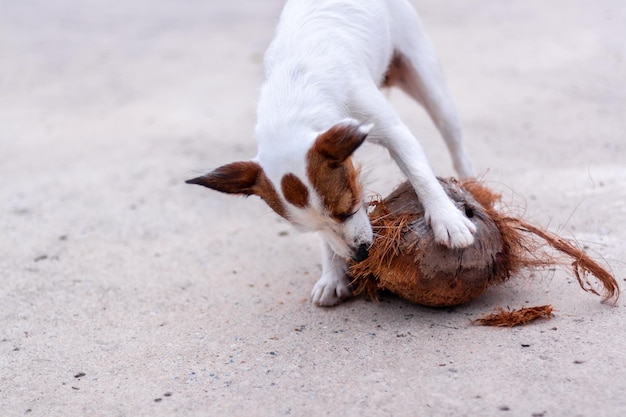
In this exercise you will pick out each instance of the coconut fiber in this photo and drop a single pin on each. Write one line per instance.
(510, 318)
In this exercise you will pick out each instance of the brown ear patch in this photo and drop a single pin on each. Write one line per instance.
(294, 191)
(339, 142)
(337, 185)
(331, 171)
(235, 178)
(246, 178)
(266, 191)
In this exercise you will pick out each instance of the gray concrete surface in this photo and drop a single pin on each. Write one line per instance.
(125, 292)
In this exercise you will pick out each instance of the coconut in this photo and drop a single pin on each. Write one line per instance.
(406, 260)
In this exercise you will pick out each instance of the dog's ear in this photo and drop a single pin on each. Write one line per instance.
(341, 140)
(235, 178)
(244, 178)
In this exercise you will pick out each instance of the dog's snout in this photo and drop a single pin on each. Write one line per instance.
(361, 253)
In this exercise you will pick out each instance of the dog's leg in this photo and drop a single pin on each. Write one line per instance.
(449, 224)
(333, 286)
(416, 70)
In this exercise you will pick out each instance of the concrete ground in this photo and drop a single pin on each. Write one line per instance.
(125, 292)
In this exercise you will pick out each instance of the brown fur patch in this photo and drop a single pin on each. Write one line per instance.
(395, 72)
(245, 177)
(335, 179)
(234, 178)
(295, 191)
(266, 191)
(339, 142)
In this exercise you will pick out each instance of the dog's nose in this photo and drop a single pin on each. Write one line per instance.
(361, 253)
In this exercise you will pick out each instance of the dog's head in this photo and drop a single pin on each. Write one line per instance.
(320, 193)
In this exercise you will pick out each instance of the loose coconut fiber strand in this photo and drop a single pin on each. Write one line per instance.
(406, 260)
(511, 318)
(530, 245)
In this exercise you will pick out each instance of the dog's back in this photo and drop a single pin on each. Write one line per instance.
(358, 30)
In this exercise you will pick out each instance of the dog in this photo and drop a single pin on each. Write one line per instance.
(320, 101)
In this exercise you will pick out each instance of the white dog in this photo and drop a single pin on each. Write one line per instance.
(320, 101)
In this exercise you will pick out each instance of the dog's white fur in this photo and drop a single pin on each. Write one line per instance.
(323, 70)
(326, 63)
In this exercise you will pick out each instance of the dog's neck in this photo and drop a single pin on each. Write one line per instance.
(296, 105)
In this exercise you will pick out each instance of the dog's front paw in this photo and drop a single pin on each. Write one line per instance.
(451, 227)
(330, 290)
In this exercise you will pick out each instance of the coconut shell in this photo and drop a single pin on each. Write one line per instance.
(406, 260)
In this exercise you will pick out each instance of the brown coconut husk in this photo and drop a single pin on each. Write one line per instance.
(511, 318)
(406, 260)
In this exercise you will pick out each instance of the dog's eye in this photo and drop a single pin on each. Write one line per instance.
(342, 217)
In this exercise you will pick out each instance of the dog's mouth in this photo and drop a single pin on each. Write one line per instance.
(361, 253)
